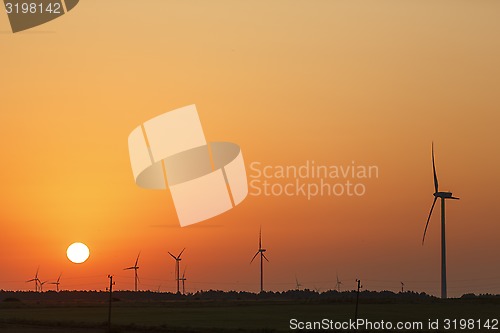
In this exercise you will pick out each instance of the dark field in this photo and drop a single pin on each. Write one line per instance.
(229, 315)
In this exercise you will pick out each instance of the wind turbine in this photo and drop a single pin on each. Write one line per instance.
(41, 285)
(297, 283)
(183, 279)
(57, 282)
(177, 267)
(262, 256)
(135, 268)
(402, 287)
(35, 279)
(443, 196)
(337, 285)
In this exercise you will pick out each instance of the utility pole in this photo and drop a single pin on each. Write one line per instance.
(357, 299)
(111, 284)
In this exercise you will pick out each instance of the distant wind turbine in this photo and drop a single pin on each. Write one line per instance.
(297, 283)
(57, 282)
(183, 279)
(337, 285)
(177, 268)
(402, 287)
(443, 196)
(41, 285)
(262, 256)
(35, 279)
(135, 268)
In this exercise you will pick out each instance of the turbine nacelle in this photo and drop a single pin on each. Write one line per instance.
(135, 267)
(445, 195)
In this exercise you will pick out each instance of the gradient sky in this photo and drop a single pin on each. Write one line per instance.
(289, 81)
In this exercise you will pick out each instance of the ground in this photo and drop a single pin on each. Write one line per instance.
(233, 315)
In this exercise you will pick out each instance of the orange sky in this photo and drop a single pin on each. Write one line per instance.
(289, 81)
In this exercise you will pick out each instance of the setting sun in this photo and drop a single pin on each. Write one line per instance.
(78, 253)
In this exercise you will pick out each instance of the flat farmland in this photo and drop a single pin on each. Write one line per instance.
(231, 316)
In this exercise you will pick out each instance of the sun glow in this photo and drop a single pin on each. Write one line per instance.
(78, 253)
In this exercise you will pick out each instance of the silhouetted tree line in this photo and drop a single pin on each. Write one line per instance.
(211, 295)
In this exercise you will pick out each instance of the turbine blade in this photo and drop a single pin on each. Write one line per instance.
(260, 238)
(137, 260)
(265, 256)
(180, 254)
(436, 183)
(429, 218)
(59, 278)
(184, 272)
(454, 198)
(172, 256)
(128, 268)
(254, 256)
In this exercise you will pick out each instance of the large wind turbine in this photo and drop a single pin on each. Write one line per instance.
(443, 196)
(262, 256)
(177, 267)
(35, 279)
(57, 283)
(135, 268)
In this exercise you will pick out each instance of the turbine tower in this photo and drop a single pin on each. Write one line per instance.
(135, 268)
(443, 196)
(57, 282)
(262, 256)
(35, 279)
(177, 268)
